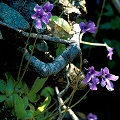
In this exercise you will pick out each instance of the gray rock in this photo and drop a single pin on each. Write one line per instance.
(25, 8)
(12, 17)
(42, 46)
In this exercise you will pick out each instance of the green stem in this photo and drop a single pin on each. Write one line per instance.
(69, 102)
(29, 59)
(73, 93)
(79, 100)
(72, 105)
(55, 1)
(98, 23)
(24, 53)
(99, 19)
(80, 39)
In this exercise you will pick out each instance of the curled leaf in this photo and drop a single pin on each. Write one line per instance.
(44, 105)
(62, 23)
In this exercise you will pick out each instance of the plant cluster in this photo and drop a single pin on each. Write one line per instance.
(22, 101)
(25, 102)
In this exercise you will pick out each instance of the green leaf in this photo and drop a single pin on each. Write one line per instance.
(42, 108)
(25, 101)
(117, 47)
(47, 91)
(109, 11)
(2, 86)
(115, 23)
(62, 23)
(38, 84)
(21, 88)
(10, 84)
(106, 26)
(32, 97)
(37, 98)
(2, 98)
(29, 114)
(44, 116)
(30, 47)
(60, 49)
(32, 108)
(9, 101)
(19, 107)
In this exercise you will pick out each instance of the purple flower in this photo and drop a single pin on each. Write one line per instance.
(92, 116)
(88, 27)
(43, 14)
(107, 78)
(110, 52)
(92, 78)
(48, 7)
(39, 16)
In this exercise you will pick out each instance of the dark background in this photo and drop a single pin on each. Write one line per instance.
(103, 103)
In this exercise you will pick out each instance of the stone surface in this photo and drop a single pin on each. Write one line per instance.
(13, 18)
(25, 8)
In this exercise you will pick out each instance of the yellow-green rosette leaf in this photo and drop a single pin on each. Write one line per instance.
(19, 107)
(9, 101)
(21, 87)
(47, 91)
(62, 23)
(2, 86)
(43, 106)
(32, 108)
(29, 115)
(25, 101)
(10, 84)
(38, 84)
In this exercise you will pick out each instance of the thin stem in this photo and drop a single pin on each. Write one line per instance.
(98, 23)
(80, 99)
(63, 91)
(74, 104)
(94, 44)
(24, 53)
(63, 10)
(69, 97)
(29, 59)
(71, 113)
(52, 113)
(51, 106)
(99, 19)
(55, 102)
(69, 103)
(55, 1)
(80, 39)
(73, 93)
